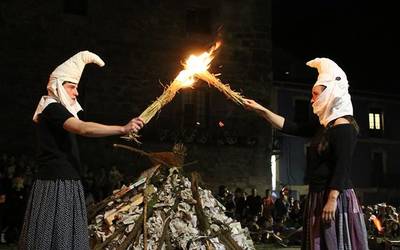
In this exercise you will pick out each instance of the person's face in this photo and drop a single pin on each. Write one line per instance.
(316, 91)
(72, 90)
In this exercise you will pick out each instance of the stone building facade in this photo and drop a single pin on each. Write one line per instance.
(143, 44)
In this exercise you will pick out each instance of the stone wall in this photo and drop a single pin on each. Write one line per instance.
(143, 43)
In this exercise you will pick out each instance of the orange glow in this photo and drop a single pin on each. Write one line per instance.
(196, 64)
(377, 223)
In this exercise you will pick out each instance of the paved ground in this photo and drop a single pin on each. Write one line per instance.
(258, 247)
(7, 247)
(275, 247)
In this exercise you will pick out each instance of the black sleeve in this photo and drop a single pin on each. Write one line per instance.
(342, 142)
(56, 114)
(306, 129)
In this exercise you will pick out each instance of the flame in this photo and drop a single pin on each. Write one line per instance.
(196, 64)
(186, 78)
(377, 223)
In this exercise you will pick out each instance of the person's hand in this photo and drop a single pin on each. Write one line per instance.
(134, 125)
(328, 213)
(253, 105)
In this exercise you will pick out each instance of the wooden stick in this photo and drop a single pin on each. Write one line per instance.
(145, 216)
(228, 241)
(165, 234)
(144, 153)
(148, 210)
(135, 233)
(141, 152)
(132, 235)
(94, 209)
(225, 236)
(203, 221)
(110, 238)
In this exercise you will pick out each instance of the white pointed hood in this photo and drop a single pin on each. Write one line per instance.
(71, 71)
(335, 100)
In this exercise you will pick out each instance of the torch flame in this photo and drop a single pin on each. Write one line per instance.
(196, 64)
(186, 78)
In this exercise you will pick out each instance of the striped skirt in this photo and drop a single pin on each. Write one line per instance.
(55, 217)
(347, 231)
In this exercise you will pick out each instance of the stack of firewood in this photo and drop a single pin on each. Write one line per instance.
(164, 210)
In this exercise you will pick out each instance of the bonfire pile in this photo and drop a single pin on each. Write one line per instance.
(164, 210)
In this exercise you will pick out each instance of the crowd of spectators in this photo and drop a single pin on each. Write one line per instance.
(269, 218)
(275, 216)
(16, 179)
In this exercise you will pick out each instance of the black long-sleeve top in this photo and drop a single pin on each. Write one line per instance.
(329, 157)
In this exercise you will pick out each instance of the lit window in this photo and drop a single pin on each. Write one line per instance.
(375, 120)
(371, 121)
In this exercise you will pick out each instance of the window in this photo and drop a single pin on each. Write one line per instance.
(202, 108)
(195, 108)
(189, 109)
(375, 119)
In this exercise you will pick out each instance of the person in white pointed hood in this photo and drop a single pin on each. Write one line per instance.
(333, 218)
(68, 72)
(55, 216)
(334, 101)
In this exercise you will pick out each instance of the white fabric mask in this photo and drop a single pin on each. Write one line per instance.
(335, 100)
(71, 71)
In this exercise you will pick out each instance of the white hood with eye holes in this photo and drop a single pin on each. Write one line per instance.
(70, 71)
(335, 100)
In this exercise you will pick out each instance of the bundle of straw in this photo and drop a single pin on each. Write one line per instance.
(167, 96)
(184, 79)
(211, 79)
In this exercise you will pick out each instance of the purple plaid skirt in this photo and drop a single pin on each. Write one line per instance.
(347, 231)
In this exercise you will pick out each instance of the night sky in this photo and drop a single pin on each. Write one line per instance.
(360, 36)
